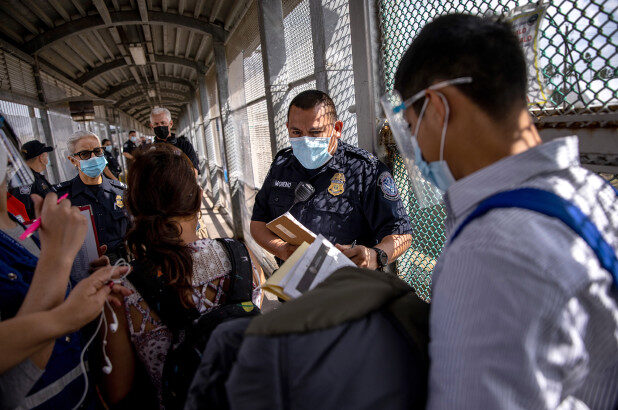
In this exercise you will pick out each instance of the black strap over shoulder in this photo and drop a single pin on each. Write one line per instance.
(241, 276)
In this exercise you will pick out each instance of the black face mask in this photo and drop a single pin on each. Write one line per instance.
(161, 132)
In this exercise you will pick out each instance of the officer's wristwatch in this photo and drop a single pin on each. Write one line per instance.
(382, 258)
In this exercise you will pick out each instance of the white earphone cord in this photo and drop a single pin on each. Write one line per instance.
(107, 369)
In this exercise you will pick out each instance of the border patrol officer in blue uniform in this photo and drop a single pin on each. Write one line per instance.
(36, 155)
(161, 124)
(356, 200)
(105, 196)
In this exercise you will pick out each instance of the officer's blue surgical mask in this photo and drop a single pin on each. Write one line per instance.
(94, 166)
(134, 139)
(311, 152)
(436, 173)
(108, 148)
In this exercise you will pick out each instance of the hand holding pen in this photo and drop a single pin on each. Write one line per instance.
(36, 224)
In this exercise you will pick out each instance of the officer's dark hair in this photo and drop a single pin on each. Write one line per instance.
(161, 187)
(312, 98)
(104, 140)
(462, 45)
(131, 132)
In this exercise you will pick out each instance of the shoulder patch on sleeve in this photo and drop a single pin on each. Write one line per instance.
(118, 184)
(282, 156)
(364, 154)
(62, 185)
(388, 186)
(284, 152)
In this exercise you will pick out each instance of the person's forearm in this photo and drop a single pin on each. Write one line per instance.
(395, 245)
(47, 291)
(265, 238)
(49, 283)
(24, 336)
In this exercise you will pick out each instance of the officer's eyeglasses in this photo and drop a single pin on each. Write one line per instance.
(86, 154)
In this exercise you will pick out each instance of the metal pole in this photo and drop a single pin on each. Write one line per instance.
(270, 18)
(364, 63)
(232, 145)
(319, 45)
(210, 142)
(45, 122)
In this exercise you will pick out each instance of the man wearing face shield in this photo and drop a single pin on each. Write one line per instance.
(104, 195)
(161, 123)
(36, 156)
(524, 302)
(355, 199)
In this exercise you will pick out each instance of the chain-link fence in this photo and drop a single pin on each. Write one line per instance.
(574, 72)
(576, 56)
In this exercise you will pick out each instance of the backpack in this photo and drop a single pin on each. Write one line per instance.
(190, 330)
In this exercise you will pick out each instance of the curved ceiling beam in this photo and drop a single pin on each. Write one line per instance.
(166, 100)
(120, 18)
(145, 112)
(164, 92)
(166, 97)
(120, 62)
(146, 108)
(173, 80)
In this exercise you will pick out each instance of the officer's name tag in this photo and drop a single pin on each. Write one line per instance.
(283, 184)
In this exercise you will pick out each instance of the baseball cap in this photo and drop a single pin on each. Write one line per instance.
(33, 149)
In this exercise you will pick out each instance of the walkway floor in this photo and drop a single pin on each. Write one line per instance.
(214, 223)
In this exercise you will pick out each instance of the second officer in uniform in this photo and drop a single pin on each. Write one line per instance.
(355, 201)
(36, 155)
(105, 196)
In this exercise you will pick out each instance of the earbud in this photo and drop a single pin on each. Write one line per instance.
(114, 325)
(107, 369)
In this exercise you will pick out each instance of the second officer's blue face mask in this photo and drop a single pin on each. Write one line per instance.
(311, 152)
(93, 167)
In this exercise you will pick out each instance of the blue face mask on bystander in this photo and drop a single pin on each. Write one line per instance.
(94, 166)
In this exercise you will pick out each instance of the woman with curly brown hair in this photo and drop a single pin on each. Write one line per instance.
(164, 200)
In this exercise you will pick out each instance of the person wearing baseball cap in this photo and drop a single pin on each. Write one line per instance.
(35, 153)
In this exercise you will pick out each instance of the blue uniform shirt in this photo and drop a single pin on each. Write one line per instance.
(107, 204)
(355, 197)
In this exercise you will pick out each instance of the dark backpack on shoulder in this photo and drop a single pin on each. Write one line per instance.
(191, 331)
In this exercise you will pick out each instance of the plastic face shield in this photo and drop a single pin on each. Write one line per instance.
(426, 193)
(13, 168)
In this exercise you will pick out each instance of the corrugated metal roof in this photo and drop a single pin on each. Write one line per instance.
(89, 42)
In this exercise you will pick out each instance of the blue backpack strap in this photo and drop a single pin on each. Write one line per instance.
(555, 206)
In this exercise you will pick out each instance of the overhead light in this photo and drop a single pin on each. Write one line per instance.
(152, 93)
(137, 52)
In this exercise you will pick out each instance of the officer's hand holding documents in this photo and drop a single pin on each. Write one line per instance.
(308, 266)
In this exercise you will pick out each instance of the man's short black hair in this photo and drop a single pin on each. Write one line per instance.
(462, 45)
(104, 140)
(131, 132)
(312, 98)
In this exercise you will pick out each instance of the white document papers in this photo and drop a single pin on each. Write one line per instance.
(320, 260)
